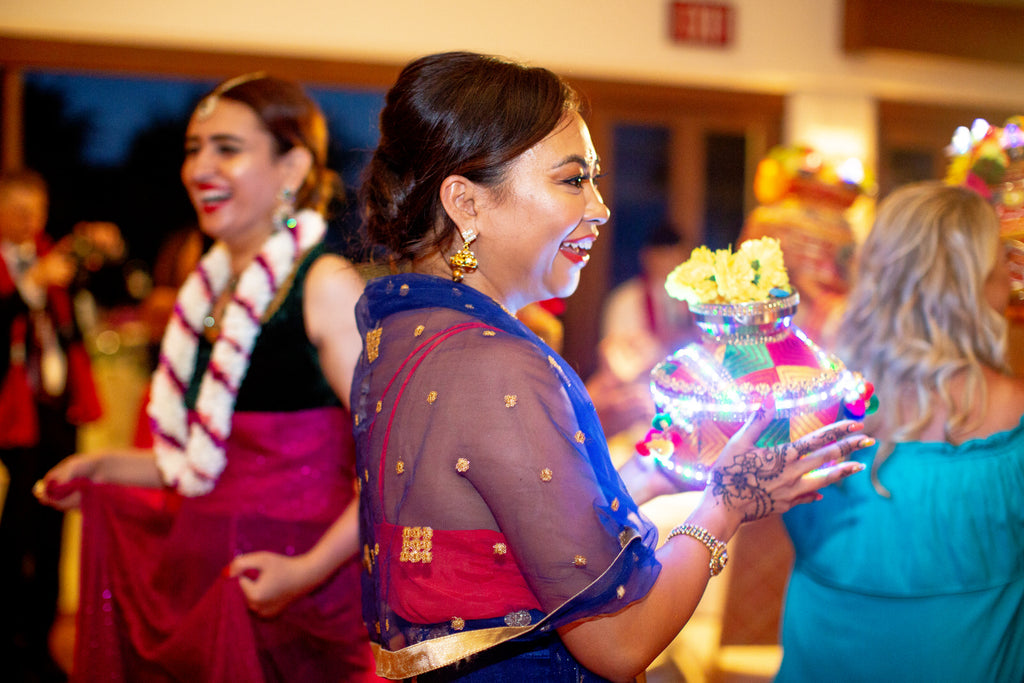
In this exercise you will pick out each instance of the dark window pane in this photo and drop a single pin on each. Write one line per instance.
(724, 171)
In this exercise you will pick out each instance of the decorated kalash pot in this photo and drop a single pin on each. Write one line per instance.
(743, 306)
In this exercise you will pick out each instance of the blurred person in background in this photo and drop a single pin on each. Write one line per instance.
(917, 573)
(46, 392)
(228, 551)
(640, 325)
(804, 199)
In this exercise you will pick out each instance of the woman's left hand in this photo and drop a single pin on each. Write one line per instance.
(758, 481)
(270, 581)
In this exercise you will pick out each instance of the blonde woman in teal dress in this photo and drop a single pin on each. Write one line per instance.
(917, 573)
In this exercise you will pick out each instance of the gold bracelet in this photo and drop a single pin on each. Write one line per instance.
(719, 556)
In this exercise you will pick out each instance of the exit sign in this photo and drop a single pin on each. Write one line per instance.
(701, 23)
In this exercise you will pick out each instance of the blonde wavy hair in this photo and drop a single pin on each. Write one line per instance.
(917, 319)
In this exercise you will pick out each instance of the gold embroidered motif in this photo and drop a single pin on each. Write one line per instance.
(376, 549)
(417, 544)
(367, 559)
(500, 548)
(546, 474)
(469, 307)
(418, 331)
(620, 592)
(366, 475)
(579, 561)
(580, 437)
(489, 333)
(431, 397)
(461, 465)
(458, 623)
(357, 419)
(399, 467)
(403, 290)
(373, 343)
(511, 400)
(615, 504)
(380, 406)
(376, 626)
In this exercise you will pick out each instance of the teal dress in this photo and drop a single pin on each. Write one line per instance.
(927, 585)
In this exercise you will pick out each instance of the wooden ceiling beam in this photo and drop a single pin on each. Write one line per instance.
(976, 30)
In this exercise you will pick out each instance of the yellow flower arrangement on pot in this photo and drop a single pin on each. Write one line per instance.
(754, 272)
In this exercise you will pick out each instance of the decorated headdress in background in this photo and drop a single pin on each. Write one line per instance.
(990, 160)
(800, 171)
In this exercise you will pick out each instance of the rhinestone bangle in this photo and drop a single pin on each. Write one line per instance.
(719, 555)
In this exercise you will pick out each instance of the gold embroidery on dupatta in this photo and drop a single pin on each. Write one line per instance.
(417, 544)
(373, 343)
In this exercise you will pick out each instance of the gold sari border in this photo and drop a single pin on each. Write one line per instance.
(435, 653)
(438, 652)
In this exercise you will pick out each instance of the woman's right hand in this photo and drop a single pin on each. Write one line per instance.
(752, 482)
(53, 488)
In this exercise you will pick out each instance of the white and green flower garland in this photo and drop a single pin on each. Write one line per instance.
(191, 456)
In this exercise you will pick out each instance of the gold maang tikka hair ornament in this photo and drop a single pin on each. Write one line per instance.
(205, 108)
(464, 260)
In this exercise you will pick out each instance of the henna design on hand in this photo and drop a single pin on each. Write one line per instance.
(846, 449)
(835, 433)
(741, 482)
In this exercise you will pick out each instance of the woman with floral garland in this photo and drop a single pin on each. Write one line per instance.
(227, 553)
(499, 541)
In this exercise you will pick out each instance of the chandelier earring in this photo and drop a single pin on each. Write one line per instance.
(284, 216)
(464, 260)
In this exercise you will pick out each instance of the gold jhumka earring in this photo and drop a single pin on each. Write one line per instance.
(464, 260)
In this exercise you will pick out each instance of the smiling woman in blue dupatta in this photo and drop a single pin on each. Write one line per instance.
(499, 541)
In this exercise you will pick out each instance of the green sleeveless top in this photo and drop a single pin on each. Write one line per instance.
(284, 373)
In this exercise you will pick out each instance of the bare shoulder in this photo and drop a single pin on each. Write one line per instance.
(332, 288)
(332, 270)
(332, 281)
(1005, 401)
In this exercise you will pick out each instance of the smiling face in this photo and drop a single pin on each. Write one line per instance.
(536, 230)
(232, 173)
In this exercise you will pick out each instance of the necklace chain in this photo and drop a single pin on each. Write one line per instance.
(211, 322)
